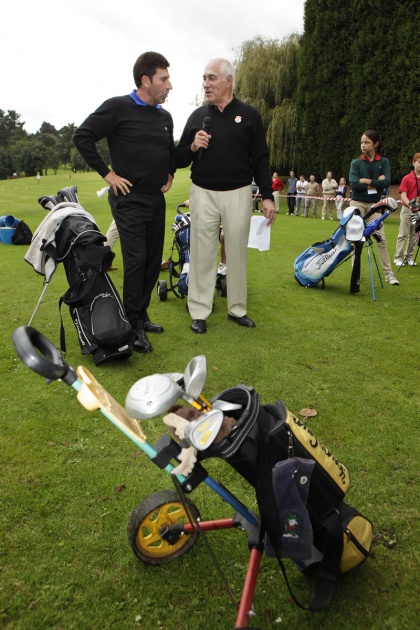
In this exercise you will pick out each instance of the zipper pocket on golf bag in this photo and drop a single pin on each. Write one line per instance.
(357, 537)
(108, 325)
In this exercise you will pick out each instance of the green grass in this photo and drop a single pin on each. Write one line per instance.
(65, 561)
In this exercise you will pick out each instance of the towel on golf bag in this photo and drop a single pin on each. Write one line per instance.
(266, 435)
(291, 479)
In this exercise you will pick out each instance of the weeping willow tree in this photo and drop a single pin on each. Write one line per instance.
(266, 77)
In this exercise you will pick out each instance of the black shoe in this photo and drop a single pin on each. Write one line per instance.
(153, 328)
(141, 342)
(242, 321)
(199, 326)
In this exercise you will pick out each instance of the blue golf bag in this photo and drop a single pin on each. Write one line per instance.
(317, 262)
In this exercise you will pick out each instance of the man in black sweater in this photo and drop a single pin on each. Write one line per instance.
(226, 144)
(140, 140)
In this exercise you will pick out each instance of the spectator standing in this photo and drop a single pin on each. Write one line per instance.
(341, 193)
(277, 185)
(225, 159)
(409, 189)
(312, 190)
(370, 175)
(291, 192)
(140, 140)
(301, 187)
(329, 186)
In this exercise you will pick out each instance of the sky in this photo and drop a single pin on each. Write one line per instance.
(60, 59)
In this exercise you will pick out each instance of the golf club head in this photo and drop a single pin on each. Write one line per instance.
(201, 433)
(151, 396)
(224, 405)
(195, 376)
(175, 376)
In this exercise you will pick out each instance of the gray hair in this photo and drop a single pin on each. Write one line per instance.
(226, 69)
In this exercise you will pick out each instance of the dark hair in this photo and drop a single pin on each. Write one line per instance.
(147, 64)
(375, 137)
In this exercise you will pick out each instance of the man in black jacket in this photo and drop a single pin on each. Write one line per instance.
(140, 140)
(226, 144)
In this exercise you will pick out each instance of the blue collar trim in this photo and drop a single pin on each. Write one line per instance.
(139, 101)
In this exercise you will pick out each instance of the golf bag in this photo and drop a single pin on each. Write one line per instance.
(317, 262)
(182, 229)
(95, 306)
(313, 526)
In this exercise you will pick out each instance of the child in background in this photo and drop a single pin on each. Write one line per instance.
(409, 189)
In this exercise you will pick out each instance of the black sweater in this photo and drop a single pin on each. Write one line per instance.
(237, 151)
(140, 141)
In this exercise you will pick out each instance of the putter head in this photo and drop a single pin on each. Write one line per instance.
(195, 376)
(202, 432)
(151, 396)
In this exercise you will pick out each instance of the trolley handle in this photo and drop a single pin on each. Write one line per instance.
(180, 205)
(40, 355)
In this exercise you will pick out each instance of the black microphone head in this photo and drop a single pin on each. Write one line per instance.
(206, 123)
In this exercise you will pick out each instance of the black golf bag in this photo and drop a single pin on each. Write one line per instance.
(95, 306)
(335, 537)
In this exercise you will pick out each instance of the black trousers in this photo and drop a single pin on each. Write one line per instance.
(291, 201)
(140, 220)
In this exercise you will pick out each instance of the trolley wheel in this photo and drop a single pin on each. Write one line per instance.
(221, 286)
(162, 290)
(146, 520)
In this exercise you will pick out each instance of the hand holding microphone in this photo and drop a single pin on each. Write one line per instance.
(206, 128)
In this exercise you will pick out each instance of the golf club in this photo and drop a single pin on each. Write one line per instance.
(195, 377)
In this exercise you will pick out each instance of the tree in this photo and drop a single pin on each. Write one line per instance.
(48, 129)
(77, 162)
(5, 165)
(11, 128)
(33, 157)
(66, 142)
(266, 77)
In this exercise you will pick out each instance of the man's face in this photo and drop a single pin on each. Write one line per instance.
(329, 175)
(158, 88)
(416, 165)
(217, 88)
(292, 174)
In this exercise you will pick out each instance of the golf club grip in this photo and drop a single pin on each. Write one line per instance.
(40, 355)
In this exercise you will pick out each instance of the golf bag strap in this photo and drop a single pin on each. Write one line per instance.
(62, 331)
(329, 570)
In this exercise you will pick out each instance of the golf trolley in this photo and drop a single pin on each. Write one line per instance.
(179, 260)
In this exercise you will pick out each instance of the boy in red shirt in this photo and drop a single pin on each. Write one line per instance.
(409, 189)
(277, 185)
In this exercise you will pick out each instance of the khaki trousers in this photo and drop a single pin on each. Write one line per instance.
(209, 209)
(406, 236)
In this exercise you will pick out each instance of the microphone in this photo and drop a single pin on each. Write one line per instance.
(206, 127)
